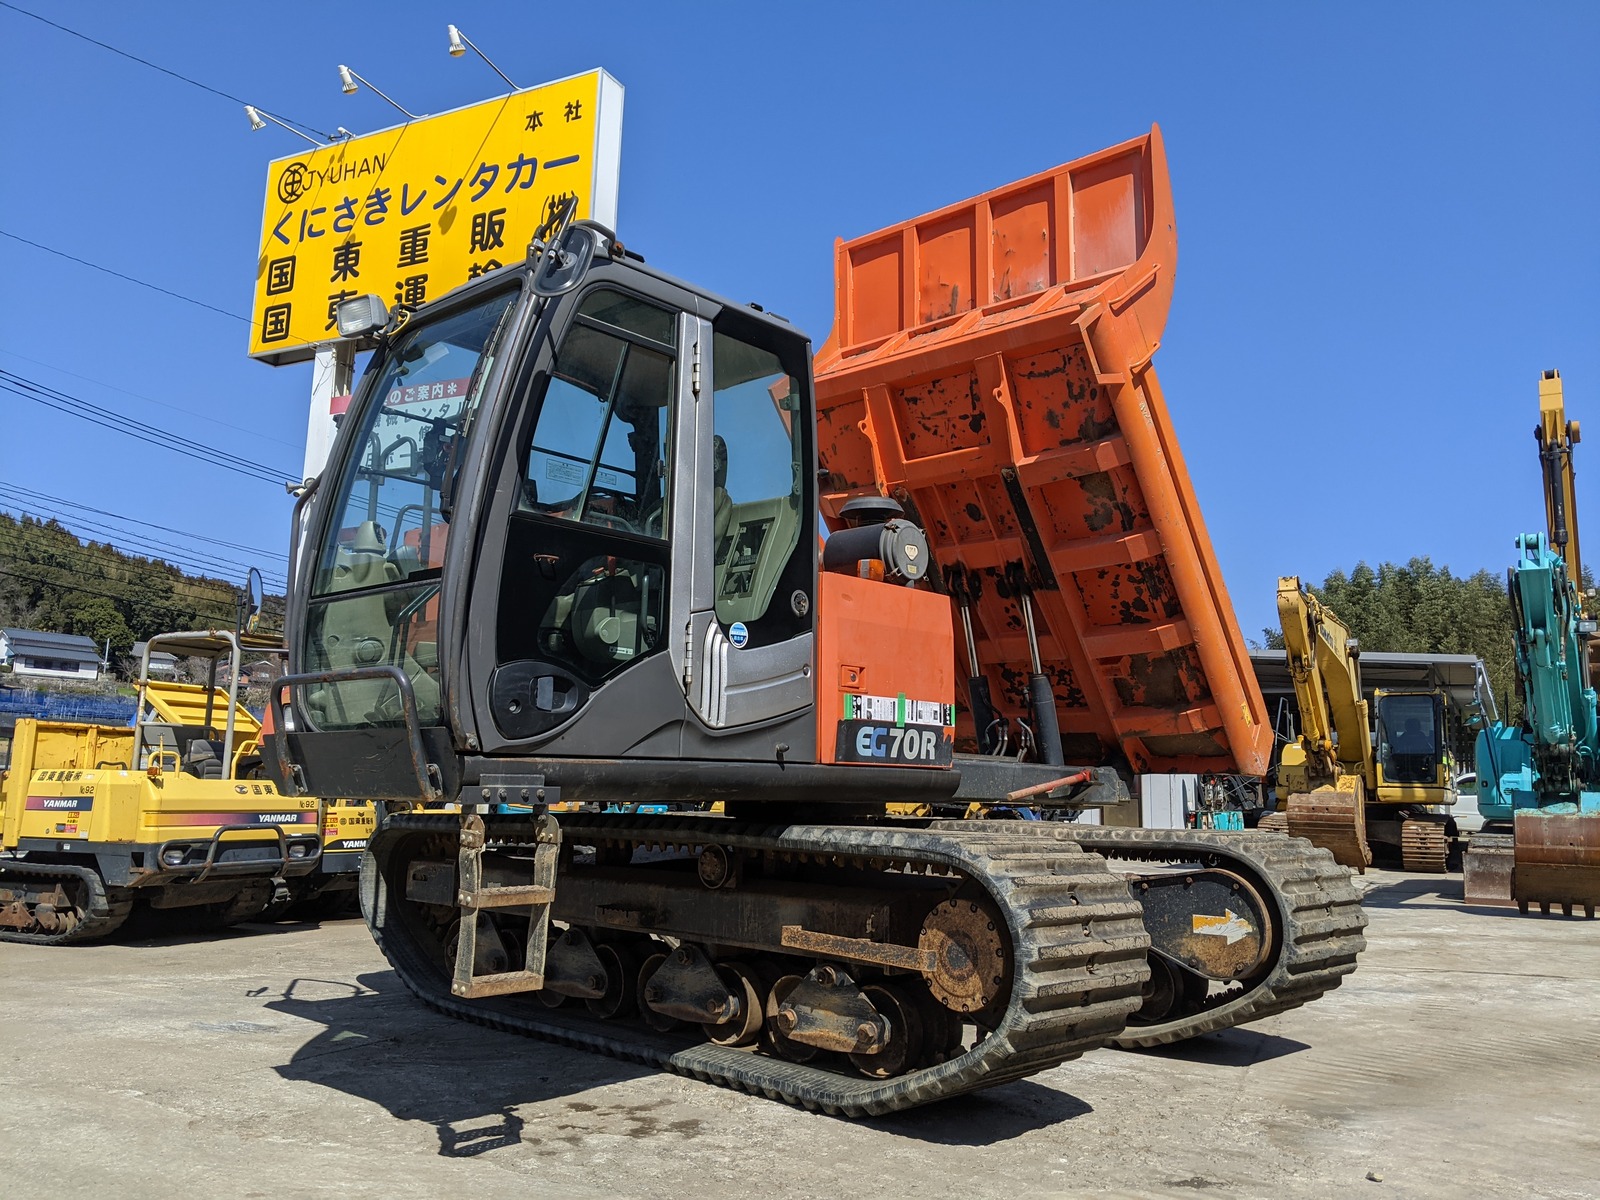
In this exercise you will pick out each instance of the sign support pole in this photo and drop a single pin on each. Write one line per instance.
(332, 374)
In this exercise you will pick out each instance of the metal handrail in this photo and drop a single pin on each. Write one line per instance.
(290, 771)
(216, 845)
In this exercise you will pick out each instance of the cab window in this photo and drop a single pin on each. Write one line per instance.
(597, 452)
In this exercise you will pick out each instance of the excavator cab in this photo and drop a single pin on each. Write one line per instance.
(1410, 738)
(573, 513)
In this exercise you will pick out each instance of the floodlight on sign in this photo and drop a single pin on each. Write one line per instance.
(347, 84)
(259, 119)
(458, 46)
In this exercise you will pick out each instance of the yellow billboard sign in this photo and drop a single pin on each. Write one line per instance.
(413, 211)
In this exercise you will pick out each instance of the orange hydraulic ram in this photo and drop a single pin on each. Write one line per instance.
(990, 369)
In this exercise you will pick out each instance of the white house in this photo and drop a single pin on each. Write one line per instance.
(161, 663)
(53, 655)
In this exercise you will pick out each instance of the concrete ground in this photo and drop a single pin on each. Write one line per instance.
(1460, 1060)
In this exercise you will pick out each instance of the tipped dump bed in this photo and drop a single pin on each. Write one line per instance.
(990, 368)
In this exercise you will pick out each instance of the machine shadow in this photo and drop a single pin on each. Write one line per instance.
(985, 1118)
(196, 937)
(1430, 890)
(378, 1043)
(1228, 1048)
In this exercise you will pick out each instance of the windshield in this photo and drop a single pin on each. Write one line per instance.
(1408, 737)
(374, 595)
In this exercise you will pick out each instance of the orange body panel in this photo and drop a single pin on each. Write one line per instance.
(880, 639)
(990, 368)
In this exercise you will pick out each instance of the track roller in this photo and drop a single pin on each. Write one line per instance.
(853, 970)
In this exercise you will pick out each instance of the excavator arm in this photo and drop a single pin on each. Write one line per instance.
(1556, 437)
(1541, 779)
(1324, 778)
(1324, 662)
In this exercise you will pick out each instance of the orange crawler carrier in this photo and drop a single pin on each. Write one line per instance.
(990, 369)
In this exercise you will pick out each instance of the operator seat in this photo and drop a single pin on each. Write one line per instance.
(202, 760)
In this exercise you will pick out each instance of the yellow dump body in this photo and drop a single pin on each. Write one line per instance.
(185, 704)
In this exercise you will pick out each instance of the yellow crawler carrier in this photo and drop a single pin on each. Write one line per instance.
(171, 814)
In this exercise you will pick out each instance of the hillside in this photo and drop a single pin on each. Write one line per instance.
(52, 579)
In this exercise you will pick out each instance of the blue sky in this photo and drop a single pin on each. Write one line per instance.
(1384, 213)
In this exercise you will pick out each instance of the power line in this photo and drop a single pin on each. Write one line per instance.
(256, 433)
(217, 570)
(107, 270)
(115, 427)
(110, 419)
(149, 602)
(220, 620)
(94, 266)
(197, 555)
(158, 67)
(57, 500)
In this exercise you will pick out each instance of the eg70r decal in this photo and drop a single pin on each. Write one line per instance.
(893, 745)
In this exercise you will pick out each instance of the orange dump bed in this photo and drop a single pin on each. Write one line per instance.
(990, 368)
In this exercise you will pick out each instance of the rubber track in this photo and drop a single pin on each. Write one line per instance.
(1316, 900)
(1078, 943)
(1423, 848)
(106, 912)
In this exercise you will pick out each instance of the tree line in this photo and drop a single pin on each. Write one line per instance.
(1420, 608)
(52, 580)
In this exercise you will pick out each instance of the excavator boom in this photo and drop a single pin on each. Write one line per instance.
(1324, 778)
(1539, 782)
(1557, 436)
(1325, 665)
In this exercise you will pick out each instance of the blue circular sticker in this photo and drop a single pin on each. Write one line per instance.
(738, 635)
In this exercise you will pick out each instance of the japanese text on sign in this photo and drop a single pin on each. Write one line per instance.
(410, 212)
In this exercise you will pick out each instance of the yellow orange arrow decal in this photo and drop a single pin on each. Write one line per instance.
(1230, 925)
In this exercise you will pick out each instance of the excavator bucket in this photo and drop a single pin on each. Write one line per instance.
(1557, 861)
(990, 369)
(1334, 818)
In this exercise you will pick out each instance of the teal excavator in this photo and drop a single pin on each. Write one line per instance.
(1539, 779)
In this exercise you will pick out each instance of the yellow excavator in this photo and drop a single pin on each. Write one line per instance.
(1346, 789)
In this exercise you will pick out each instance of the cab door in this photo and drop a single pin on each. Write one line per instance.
(576, 592)
(750, 637)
